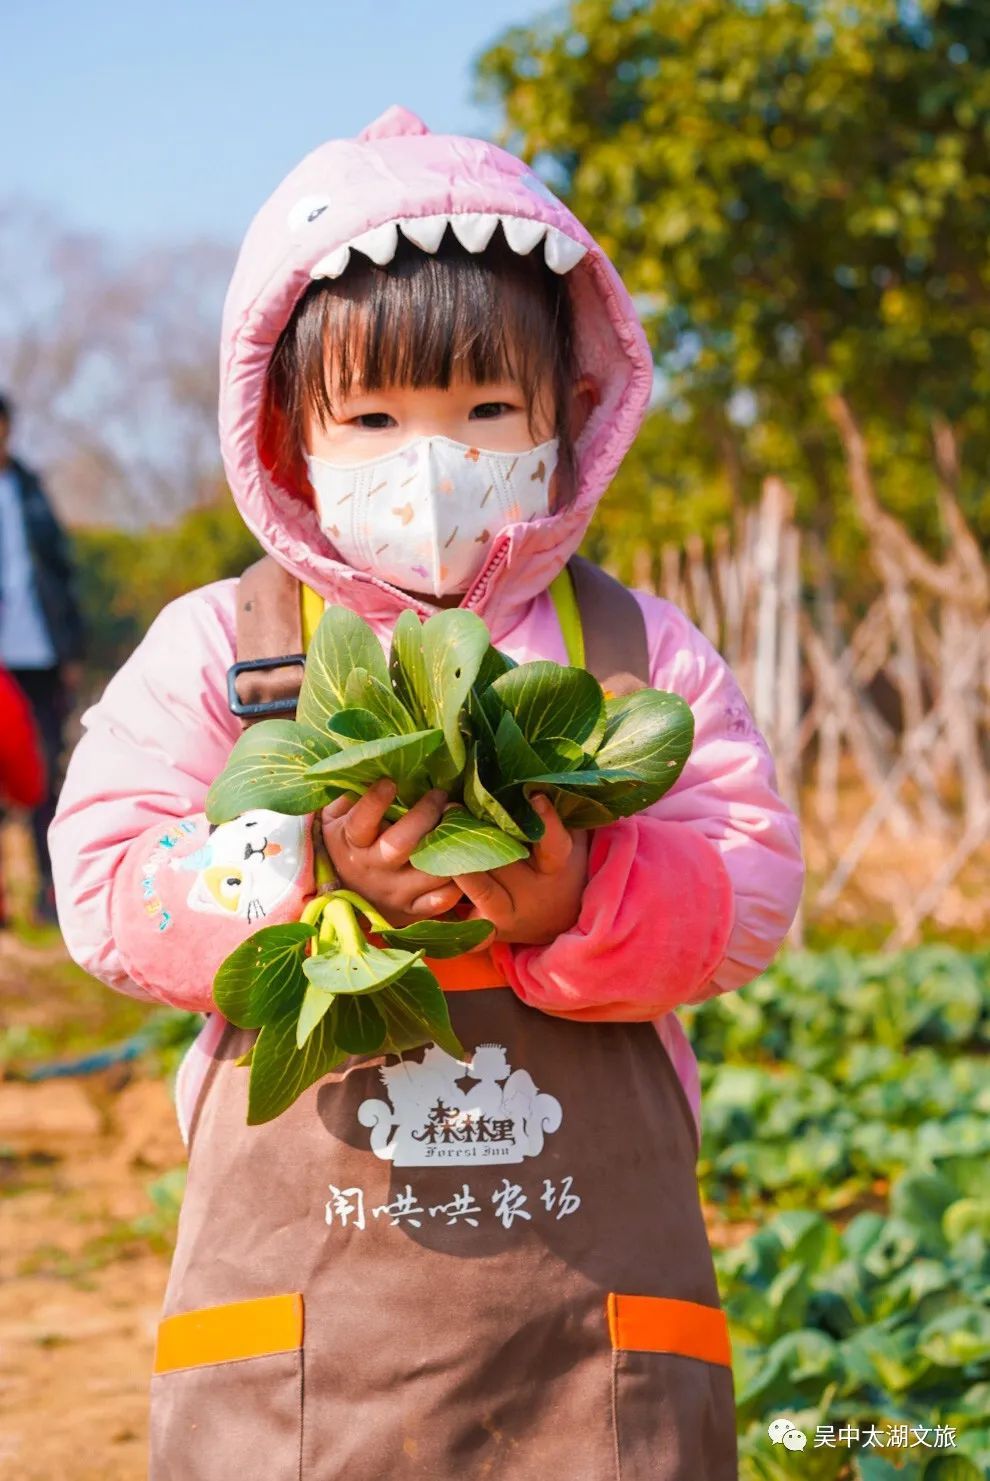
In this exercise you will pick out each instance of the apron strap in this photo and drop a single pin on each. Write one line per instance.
(264, 682)
(602, 626)
(564, 599)
(601, 623)
(313, 608)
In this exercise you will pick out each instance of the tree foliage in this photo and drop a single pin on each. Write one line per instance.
(798, 191)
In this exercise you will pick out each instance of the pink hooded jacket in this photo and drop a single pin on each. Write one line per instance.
(688, 899)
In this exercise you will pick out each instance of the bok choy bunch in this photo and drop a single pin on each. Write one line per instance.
(446, 710)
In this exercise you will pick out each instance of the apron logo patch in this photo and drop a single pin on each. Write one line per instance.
(442, 1109)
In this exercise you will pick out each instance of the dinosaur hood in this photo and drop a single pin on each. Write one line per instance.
(359, 194)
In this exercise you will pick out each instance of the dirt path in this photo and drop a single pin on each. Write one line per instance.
(83, 1248)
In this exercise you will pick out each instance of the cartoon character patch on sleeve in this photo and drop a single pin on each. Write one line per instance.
(247, 867)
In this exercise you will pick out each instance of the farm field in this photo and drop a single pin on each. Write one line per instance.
(847, 1115)
(846, 1140)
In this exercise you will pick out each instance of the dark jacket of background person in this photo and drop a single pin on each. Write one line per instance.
(54, 574)
(49, 676)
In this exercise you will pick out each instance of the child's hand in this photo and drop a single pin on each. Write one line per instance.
(374, 862)
(533, 900)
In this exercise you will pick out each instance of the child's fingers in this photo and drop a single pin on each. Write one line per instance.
(493, 901)
(436, 902)
(364, 819)
(398, 842)
(551, 852)
(339, 806)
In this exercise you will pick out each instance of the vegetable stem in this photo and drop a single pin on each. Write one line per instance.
(339, 919)
(374, 917)
(323, 870)
(328, 930)
(313, 909)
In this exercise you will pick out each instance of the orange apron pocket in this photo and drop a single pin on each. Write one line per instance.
(226, 1394)
(467, 973)
(673, 1402)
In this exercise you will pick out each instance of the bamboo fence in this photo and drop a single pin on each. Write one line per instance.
(879, 721)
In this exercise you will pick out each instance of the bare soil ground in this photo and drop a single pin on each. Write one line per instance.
(83, 1249)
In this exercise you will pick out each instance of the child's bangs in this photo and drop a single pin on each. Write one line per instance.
(427, 320)
(435, 319)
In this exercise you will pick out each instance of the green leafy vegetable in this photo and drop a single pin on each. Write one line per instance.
(854, 1089)
(340, 646)
(269, 767)
(351, 726)
(464, 844)
(358, 1024)
(363, 691)
(448, 710)
(484, 805)
(415, 1012)
(363, 971)
(547, 700)
(315, 1006)
(263, 977)
(400, 757)
(648, 732)
(280, 1071)
(440, 938)
(347, 996)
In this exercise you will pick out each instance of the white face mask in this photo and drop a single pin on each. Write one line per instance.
(424, 517)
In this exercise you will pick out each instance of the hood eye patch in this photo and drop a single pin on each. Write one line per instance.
(473, 229)
(307, 210)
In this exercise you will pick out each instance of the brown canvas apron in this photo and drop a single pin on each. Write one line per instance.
(425, 1268)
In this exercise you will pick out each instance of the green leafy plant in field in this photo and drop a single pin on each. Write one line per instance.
(884, 1323)
(445, 710)
(809, 1007)
(832, 1081)
(448, 710)
(791, 1134)
(833, 1073)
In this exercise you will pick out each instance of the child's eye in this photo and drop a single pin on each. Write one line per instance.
(374, 420)
(488, 409)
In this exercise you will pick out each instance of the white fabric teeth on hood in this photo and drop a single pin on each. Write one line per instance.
(522, 233)
(473, 229)
(379, 243)
(425, 232)
(333, 264)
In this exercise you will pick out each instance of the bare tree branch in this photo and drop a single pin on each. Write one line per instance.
(952, 579)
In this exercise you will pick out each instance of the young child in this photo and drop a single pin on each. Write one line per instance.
(427, 1268)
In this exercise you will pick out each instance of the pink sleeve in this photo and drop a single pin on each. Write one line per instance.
(694, 896)
(150, 899)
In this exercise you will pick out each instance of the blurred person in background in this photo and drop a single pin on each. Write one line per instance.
(41, 630)
(23, 781)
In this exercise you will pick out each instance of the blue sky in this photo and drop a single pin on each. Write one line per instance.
(162, 122)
